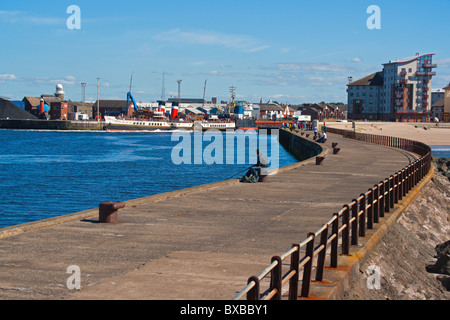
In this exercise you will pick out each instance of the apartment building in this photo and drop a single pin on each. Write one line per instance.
(400, 92)
(446, 116)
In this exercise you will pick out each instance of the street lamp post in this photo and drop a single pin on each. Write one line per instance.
(98, 97)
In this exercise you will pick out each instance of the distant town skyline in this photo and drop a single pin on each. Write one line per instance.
(292, 51)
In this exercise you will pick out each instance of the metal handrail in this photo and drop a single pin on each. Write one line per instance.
(355, 217)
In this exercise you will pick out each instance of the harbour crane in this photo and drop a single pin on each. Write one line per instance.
(130, 98)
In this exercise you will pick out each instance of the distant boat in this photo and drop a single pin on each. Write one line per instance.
(113, 124)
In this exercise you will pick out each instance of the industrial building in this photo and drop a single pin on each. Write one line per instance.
(400, 92)
(110, 108)
(48, 106)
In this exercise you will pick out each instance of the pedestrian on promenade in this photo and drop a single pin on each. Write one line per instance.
(323, 138)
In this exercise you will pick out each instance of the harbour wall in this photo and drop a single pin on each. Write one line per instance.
(50, 124)
(298, 146)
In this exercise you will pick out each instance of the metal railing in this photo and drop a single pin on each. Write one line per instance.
(342, 230)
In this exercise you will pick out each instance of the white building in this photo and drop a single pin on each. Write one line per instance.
(401, 92)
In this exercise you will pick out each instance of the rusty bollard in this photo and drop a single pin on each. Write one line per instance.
(334, 144)
(108, 211)
(336, 150)
(319, 160)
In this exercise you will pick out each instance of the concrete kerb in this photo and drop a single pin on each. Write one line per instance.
(30, 226)
(351, 266)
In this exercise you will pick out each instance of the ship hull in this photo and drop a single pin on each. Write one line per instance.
(113, 124)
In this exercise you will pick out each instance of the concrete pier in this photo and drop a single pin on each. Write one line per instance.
(200, 243)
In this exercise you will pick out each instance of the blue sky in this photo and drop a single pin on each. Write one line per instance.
(288, 51)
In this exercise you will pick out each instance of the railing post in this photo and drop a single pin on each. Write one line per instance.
(421, 168)
(400, 184)
(322, 254)
(254, 293)
(355, 222)
(370, 210)
(410, 176)
(416, 172)
(293, 282)
(362, 218)
(387, 193)
(307, 268)
(275, 281)
(391, 191)
(334, 242)
(381, 199)
(395, 188)
(404, 172)
(376, 200)
(346, 230)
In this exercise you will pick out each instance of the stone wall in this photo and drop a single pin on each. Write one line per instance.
(299, 146)
(51, 125)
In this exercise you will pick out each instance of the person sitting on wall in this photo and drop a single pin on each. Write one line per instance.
(260, 168)
(323, 138)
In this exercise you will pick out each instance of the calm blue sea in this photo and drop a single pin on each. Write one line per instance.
(441, 151)
(50, 173)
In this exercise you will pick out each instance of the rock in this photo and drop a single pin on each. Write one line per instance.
(442, 265)
(442, 167)
(447, 174)
(445, 280)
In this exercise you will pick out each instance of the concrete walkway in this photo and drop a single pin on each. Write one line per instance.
(200, 244)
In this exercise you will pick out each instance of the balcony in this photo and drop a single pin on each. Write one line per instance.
(429, 65)
(425, 73)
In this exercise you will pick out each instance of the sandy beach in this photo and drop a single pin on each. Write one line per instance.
(427, 133)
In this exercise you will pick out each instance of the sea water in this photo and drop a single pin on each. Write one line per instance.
(45, 174)
(441, 151)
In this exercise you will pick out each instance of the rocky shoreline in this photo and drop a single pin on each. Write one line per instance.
(413, 257)
(442, 165)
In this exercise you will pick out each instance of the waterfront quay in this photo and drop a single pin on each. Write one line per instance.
(201, 243)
